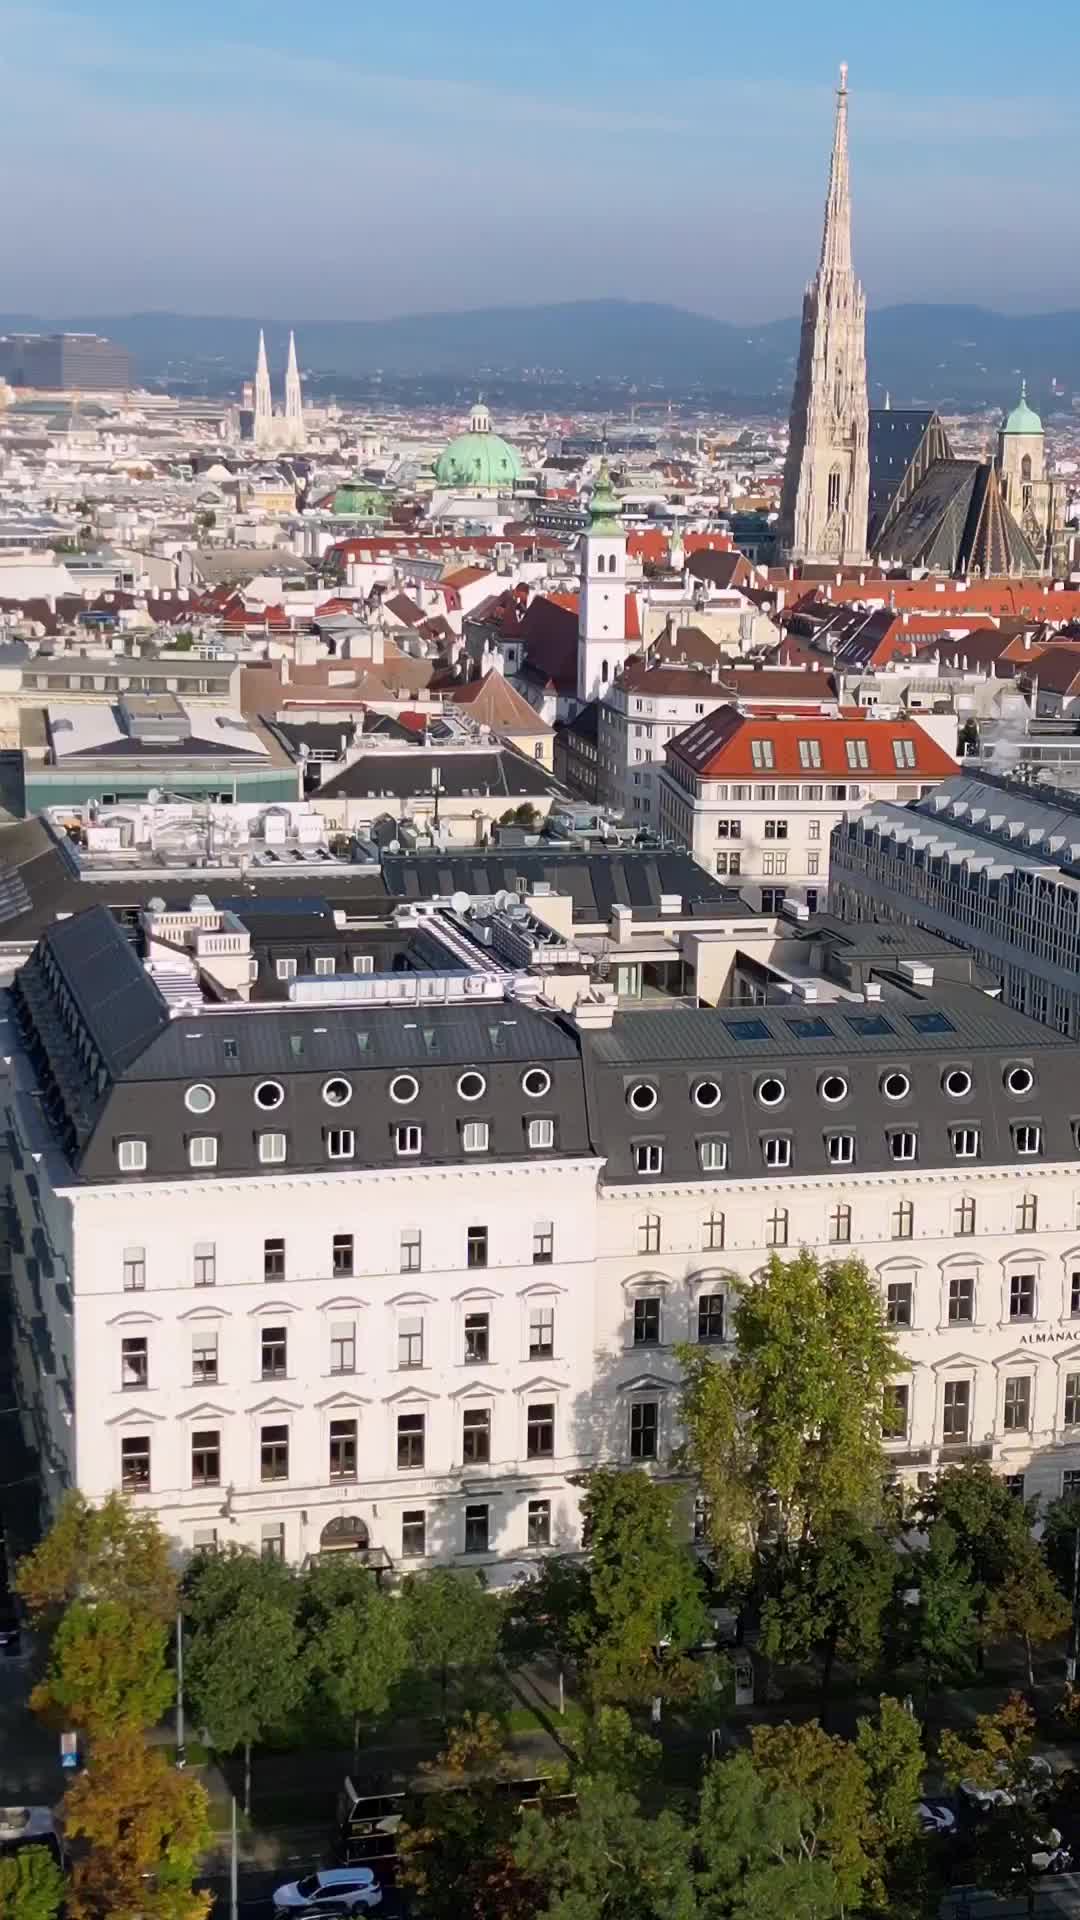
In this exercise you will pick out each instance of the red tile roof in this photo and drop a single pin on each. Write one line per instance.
(722, 745)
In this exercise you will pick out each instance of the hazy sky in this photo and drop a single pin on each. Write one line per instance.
(349, 158)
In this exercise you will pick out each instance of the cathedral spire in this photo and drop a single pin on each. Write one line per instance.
(836, 238)
(294, 402)
(264, 409)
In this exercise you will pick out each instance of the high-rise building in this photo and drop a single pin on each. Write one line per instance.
(825, 501)
(66, 362)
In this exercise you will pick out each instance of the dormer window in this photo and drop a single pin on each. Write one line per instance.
(131, 1156)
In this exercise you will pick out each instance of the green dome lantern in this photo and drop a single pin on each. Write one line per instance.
(1023, 419)
(479, 458)
(604, 505)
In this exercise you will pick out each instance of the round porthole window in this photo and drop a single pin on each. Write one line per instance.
(895, 1086)
(642, 1097)
(403, 1088)
(472, 1086)
(707, 1094)
(199, 1099)
(834, 1088)
(1019, 1079)
(956, 1082)
(268, 1095)
(535, 1082)
(770, 1092)
(337, 1093)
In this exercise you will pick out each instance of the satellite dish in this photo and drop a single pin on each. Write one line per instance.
(506, 899)
(460, 901)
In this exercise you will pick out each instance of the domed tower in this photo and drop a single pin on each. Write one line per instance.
(1022, 463)
(479, 461)
(602, 593)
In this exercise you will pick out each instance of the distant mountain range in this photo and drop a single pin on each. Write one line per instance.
(938, 355)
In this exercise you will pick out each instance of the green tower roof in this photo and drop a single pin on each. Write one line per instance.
(1023, 419)
(604, 505)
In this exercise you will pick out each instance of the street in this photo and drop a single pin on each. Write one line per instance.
(256, 1886)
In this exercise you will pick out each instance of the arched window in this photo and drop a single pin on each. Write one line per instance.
(604, 672)
(838, 386)
(1025, 467)
(834, 490)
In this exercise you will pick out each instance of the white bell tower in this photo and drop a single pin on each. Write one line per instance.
(602, 594)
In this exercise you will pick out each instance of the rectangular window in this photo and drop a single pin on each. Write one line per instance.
(274, 1453)
(1027, 1213)
(476, 1436)
(203, 1150)
(540, 1431)
(272, 1540)
(541, 1333)
(648, 1233)
(955, 1411)
(135, 1463)
(776, 829)
(340, 1143)
(285, 969)
(408, 1140)
(476, 1529)
(325, 963)
(712, 1232)
(410, 1440)
(474, 1136)
(776, 1228)
(539, 1523)
(964, 1217)
(898, 1303)
(810, 753)
(777, 1151)
(543, 1243)
(343, 1449)
(342, 1256)
(206, 1459)
(647, 1323)
(903, 753)
(761, 753)
(204, 1539)
(1014, 1484)
(134, 1269)
(343, 1346)
(413, 1534)
(813, 863)
(410, 1341)
(1074, 1294)
(841, 1149)
(840, 1226)
(1018, 1403)
(1028, 1138)
(903, 1220)
(476, 1247)
(813, 829)
(1072, 1399)
(204, 1359)
(134, 1362)
(644, 1429)
(271, 1149)
(541, 1133)
(273, 1347)
(410, 1246)
(894, 1412)
(649, 1158)
(903, 1145)
(477, 1338)
(712, 1155)
(710, 1319)
(961, 1299)
(1070, 1483)
(205, 1262)
(858, 753)
(273, 1259)
(965, 1142)
(772, 899)
(131, 1156)
(1021, 1296)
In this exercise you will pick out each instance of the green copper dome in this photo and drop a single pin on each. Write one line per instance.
(1022, 419)
(478, 458)
(604, 505)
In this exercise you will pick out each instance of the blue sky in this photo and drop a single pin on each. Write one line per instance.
(350, 158)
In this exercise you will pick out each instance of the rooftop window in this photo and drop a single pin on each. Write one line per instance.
(747, 1029)
(868, 1025)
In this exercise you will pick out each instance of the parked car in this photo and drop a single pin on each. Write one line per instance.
(10, 1626)
(350, 1888)
(1050, 1855)
(936, 1816)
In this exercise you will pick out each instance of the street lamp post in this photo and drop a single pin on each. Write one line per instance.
(181, 1749)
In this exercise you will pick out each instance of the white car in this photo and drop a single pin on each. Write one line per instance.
(354, 1888)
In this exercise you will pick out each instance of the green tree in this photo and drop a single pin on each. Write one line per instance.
(456, 1845)
(143, 1827)
(1000, 1755)
(107, 1669)
(356, 1642)
(551, 1615)
(1061, 1541)
(452, 1627)
(645, 1590)
(110, 1552)
(244, 1671)
(787, 1828)
(890, 1747)
(785, 1436)
(991, 1527)
(939, 1627)
(1029, 1606)
(827, 1595)
(607, 1860)
(31, 1885)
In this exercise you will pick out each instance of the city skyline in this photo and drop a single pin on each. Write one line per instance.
(391, 167)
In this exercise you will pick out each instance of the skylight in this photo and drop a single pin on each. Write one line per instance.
(748, 1029)
(869, 1024)
(812, 1027)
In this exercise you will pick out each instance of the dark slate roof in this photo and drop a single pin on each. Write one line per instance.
(404, 776)
(894, 439)
(595, 881)
(119, 1003)
(956, 521)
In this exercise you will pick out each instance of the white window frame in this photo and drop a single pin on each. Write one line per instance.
(649, 1157)
(408, 1138)
(541, 1133)
(132, 1156)
(475, 1136)
(268, 1154)
(285, 969)
(346, 1143)
(203, 1150)
(776, 1150)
